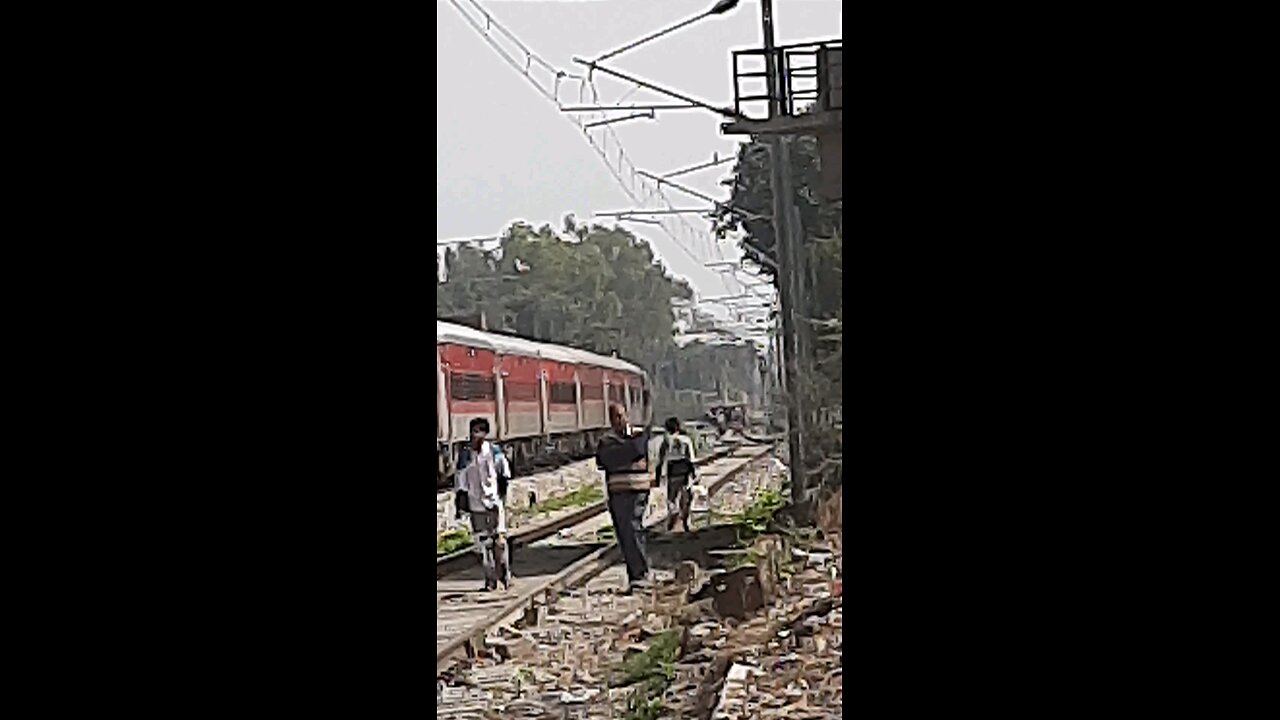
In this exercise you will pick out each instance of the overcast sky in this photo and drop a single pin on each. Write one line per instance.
(505, 153)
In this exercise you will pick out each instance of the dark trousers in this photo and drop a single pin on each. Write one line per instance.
(678, 500)
(626, 508)
(494, 554)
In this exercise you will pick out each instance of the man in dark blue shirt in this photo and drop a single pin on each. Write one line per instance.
(624, 456)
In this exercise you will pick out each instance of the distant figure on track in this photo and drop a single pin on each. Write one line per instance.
(675, 461)
(624, 456)
(482, 474)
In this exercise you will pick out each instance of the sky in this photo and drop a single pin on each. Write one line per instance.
(505, 153)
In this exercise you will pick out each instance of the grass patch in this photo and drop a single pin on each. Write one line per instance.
(663, 650)
(750, 557)
(653, 671)
(755, 518)
(452, 541)
(716, 517)
(581, 497)
(524, 679)
(646, 702)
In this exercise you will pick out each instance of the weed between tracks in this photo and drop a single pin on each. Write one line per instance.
(654, 670)
(581, 497)
(755, 518)
(456, 540)
(453, 541)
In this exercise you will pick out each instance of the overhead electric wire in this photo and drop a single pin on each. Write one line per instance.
(649, 191)
(624, 165)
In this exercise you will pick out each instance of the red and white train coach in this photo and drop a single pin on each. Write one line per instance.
(535, 395)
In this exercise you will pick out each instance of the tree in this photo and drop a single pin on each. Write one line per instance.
(596, 288)
(600, 289)
(818, 385)
(752, 192)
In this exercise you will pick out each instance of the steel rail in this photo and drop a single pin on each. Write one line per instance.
(466, 558)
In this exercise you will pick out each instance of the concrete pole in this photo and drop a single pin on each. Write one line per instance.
(790, 269)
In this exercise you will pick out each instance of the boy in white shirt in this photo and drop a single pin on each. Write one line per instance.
(482, 472)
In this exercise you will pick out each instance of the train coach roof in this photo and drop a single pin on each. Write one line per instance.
(462, 335)
(508, 345)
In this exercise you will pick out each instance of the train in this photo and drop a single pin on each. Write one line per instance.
(540, 399)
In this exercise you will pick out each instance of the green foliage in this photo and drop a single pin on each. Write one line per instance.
(581, 497)
(752, 192)
(572, 292)
(711, 369)
(821, 220)
(524, 678)
(595, 288)
(453, 541)
(755, 518)
(747, 557)
(646, 702)
(654, 670)
(663, 650)
(817, 387)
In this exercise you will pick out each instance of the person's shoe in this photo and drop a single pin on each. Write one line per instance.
(642, 585)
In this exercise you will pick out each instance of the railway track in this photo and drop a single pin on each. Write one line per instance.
(465, 614)
(465, 558)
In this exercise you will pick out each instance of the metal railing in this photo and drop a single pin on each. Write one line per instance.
(811, 79)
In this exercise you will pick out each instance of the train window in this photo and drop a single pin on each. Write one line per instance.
(521, 391)
(471, 386)
(592, 391)
(563, 394)
(615, 393)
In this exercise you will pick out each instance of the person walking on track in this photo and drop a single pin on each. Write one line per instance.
(675, 461)
(482, 476)
(624, 456)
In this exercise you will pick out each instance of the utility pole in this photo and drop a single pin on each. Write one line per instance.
(789, 253)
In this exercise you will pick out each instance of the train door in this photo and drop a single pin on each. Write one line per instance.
(591, 380)
(543, 387)
(521, 397)
(499, 429)
(577, 398)
(635, 401)
(442, 403)
(444, 459)
(562, 409)
(472, 388)
(617, 388)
